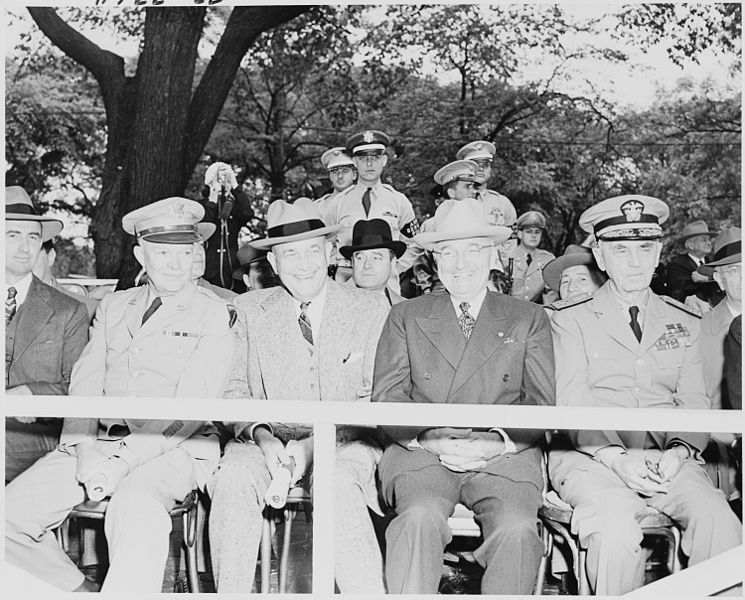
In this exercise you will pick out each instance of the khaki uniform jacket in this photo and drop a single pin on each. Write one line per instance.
(599, 362)
(528, 279)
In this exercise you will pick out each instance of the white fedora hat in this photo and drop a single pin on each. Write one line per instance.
(287, 222)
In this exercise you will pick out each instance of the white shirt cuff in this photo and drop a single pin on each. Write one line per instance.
(254, 426)
(509, 445)
(414, 444)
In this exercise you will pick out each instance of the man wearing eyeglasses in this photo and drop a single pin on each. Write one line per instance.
(370, 198)
(466, 346)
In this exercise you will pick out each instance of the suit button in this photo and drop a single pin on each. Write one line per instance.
(427, 376)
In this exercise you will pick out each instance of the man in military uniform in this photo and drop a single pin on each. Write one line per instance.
(370, 198)
(342, 173)
(529, 260)
(166, 338)
(373, 253)
(726, 269)
(626, 346)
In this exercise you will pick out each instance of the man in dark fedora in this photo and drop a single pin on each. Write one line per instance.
(45, 331)
(467, 345)
(373, 253)
(311, 339)
(682, 278)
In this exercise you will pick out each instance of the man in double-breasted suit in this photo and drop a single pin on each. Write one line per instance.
(465, 346)
(311, 339)
(45, 331)
(627, 347)
(168, 338)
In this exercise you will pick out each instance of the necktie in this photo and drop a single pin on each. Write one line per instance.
(529, 258)
(153, 307)
(466, 321)
(634, 312)
(10, 305)
(366, 201)
(304, 322)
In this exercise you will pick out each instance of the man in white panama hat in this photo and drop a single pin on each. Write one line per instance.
(311, 339)
(167, 338)
(466, 346)
(45, 331)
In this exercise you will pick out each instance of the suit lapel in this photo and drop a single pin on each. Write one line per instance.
(34, 314)
(337, 323)
(442, 330)
(135, 310)
(484, 341)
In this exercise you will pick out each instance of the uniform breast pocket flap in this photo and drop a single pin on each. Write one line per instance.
(176, 343)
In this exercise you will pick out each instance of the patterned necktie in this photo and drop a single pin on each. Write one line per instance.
(466, 321)
(304, 322)
(529, 258)
(634, 312)
(153, 307)
(10, 305)
(366, 201)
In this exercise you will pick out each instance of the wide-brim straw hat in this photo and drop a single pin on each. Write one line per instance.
(458, 220)
(574, 255)
(293, 222)
(18, 207)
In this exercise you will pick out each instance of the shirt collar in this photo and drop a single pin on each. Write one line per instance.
(474, 303)
(375, 186)
(732, 310)
(314, 310)
(21, 287)
(698, 261)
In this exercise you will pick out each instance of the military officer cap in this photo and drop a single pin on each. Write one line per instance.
(171, 221)
(459, 170)
(532, 218)
(476, 150)
(631, 217)
(727, 251)
(336, 157)
(368, 142)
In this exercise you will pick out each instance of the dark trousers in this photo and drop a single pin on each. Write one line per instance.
(506, 511)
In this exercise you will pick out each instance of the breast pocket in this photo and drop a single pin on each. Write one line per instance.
(182, 346)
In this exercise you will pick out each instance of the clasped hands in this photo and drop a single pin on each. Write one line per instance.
(462, 450)
(647, 477)
(219, 174)
(277, 455)
(100, 474)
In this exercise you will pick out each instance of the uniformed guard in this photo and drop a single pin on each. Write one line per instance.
(529, 260)
(342, 173)
(370, 198)
(627, 347)
(167, 338)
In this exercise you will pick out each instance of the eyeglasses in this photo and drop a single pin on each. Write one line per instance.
(449, 256)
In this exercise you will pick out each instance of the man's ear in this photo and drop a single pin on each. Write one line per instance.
(139, 255)
(385, 160)
(597, 253)
(272, 260)
(246, 281)
(51, 257)
(719, 279)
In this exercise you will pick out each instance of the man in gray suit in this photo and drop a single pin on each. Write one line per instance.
(311, 339)
(466, 346)
(45, 331)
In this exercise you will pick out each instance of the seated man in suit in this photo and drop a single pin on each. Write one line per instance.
(311, 339)
(626, 346)
(45, 331)
(167, 338)
(683, 279)
(467, 345)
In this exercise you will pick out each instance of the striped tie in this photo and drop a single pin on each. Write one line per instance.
(466, 321)
(10, 305)
(304, 322)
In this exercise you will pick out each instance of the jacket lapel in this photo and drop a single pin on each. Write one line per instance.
(613, 322)
(655, 322)
(33, 316)
(441, 328)
(135, 310)
(484, 341)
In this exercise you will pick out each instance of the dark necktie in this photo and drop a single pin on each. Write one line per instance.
(304, 322)
(366, 201)
(10, 305)
(153, 307)
(466, 321)
(634, 312)
(529, 258)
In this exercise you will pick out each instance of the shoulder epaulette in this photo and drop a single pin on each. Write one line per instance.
(390, 188)
(562, 304)
(684, 307)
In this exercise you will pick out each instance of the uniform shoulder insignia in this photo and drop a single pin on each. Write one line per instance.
(684, 307)
(562, 304)
(232, 315)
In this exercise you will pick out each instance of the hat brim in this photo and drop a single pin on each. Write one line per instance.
(707, 270)
(398, 247)
(267, 243)
(49, 227)
(553, 270)
(683, 238)
(205, 230)
(427, 240)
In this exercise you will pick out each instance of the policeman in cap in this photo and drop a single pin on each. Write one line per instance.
(625, 346)
(529, 260)
(166, 338)
(370, 198)
(342, 173)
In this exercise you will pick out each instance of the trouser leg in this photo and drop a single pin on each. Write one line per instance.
(417, 536)
(237, 490)
(25, 443)
(357, 556)
(37, 502)
(507, 513)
